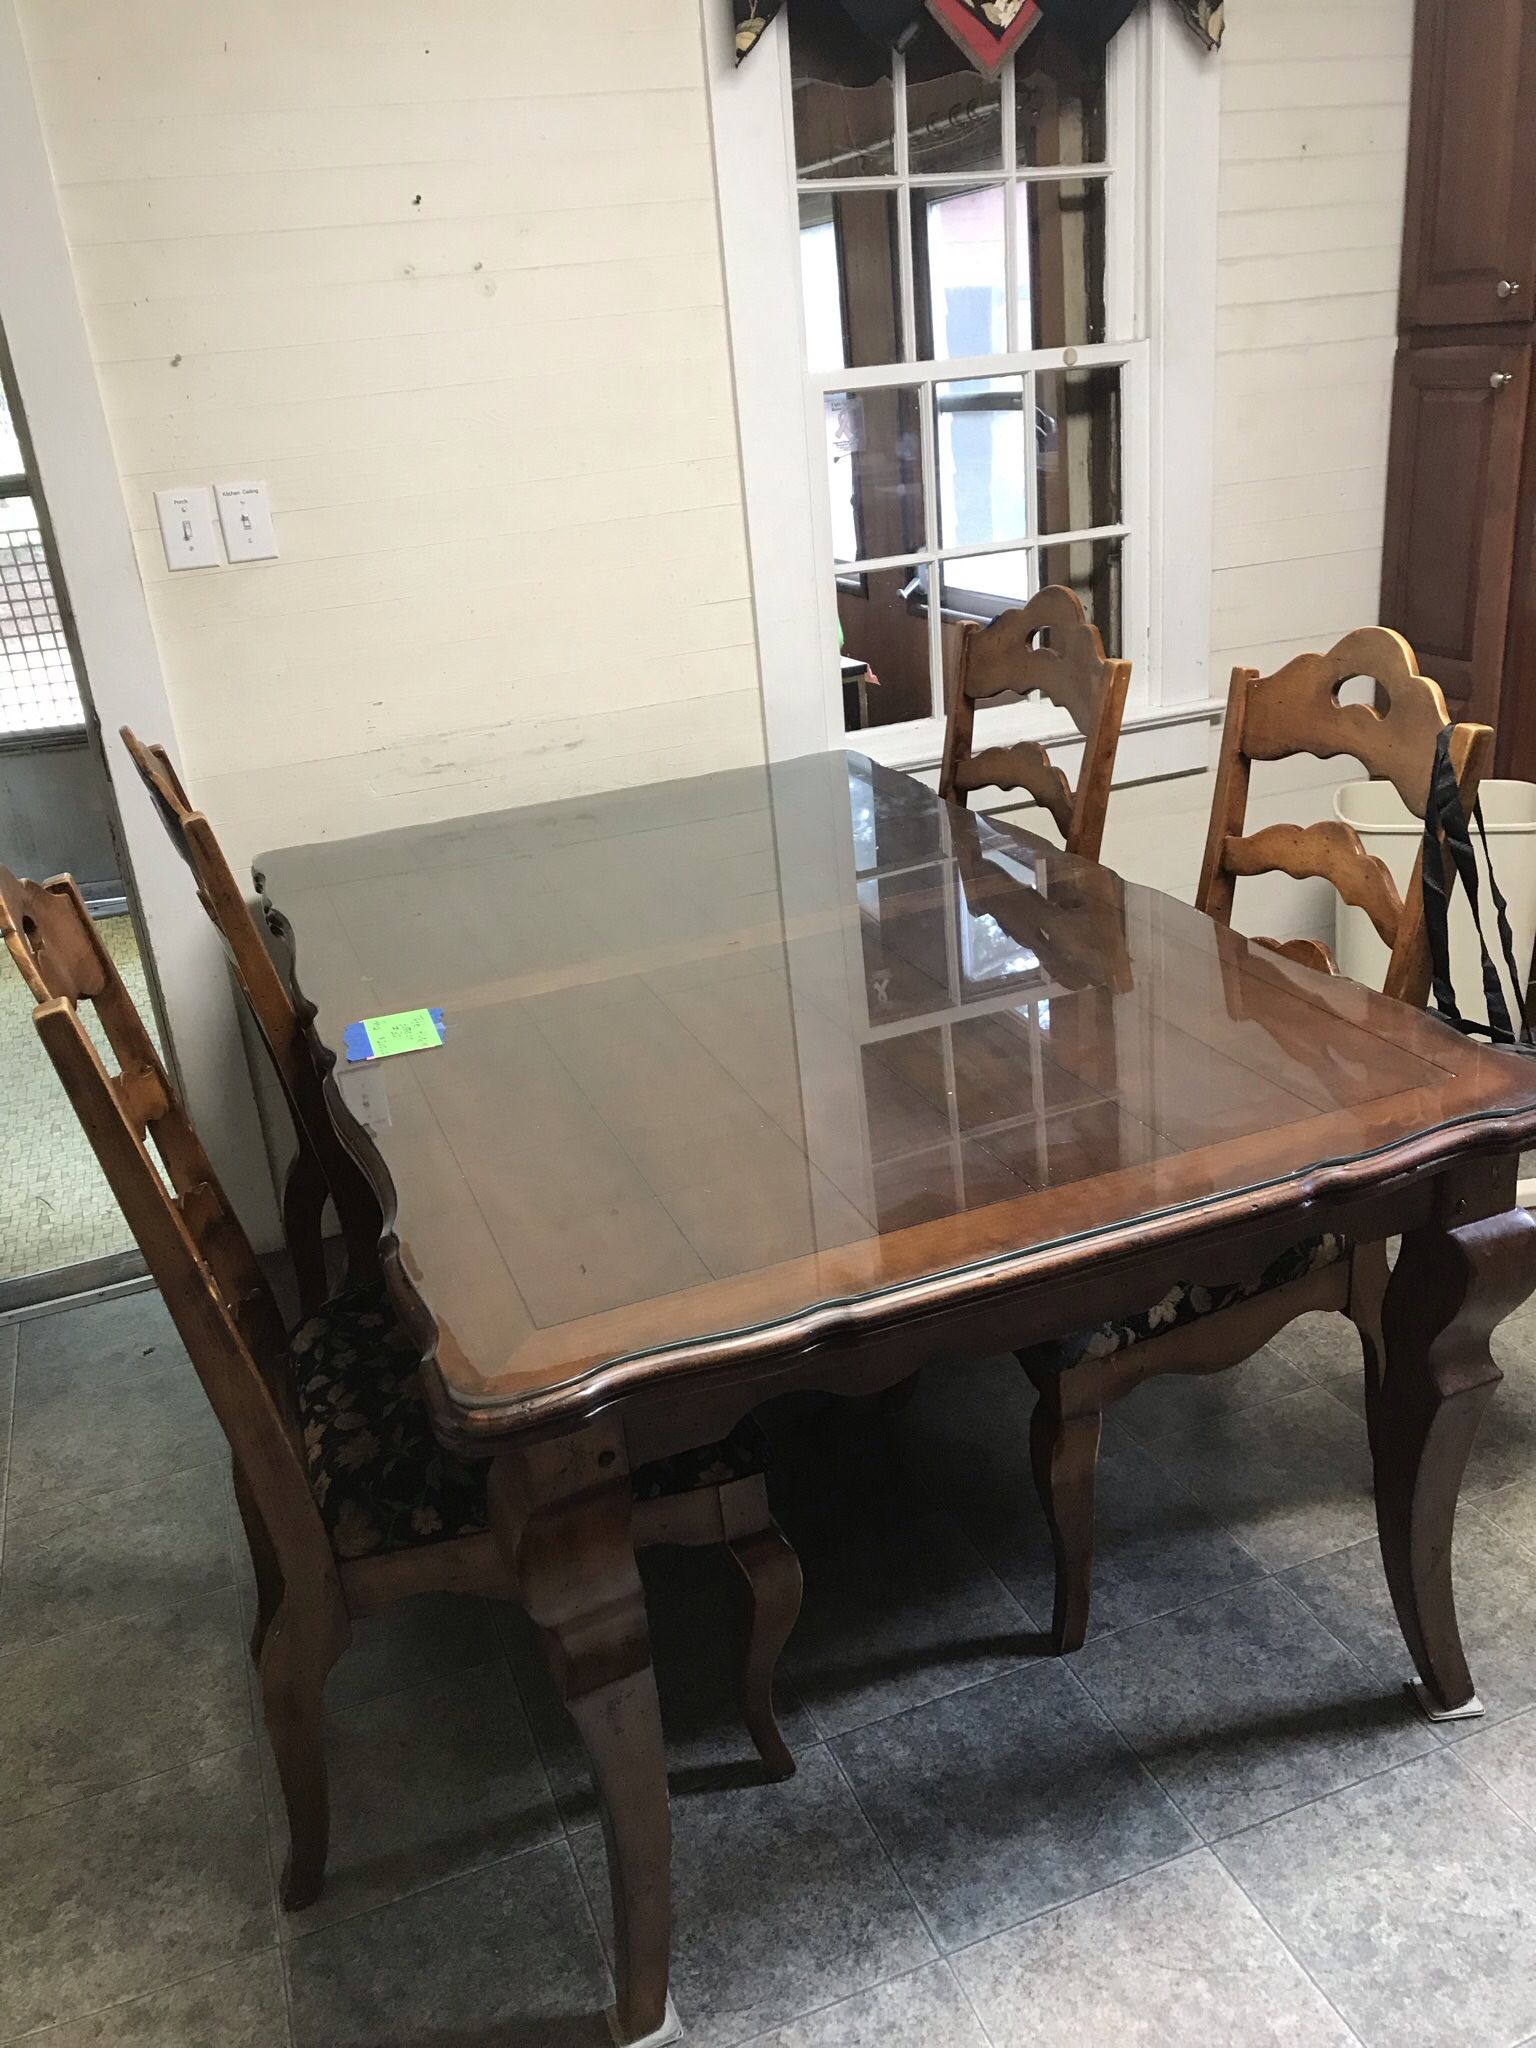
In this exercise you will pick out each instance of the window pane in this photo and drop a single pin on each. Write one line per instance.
(875, 473)
(851, 269)
(980, 587)
(959, 268)
(37, 676)
(1061, 262)
(886, 678)
(1059, 103)
(845, 111)
(983, 456)
(954, 115)
(1092, 569)
(1077, 427)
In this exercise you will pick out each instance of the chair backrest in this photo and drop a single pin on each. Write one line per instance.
(1073, 671)
(1297, 710)
(196, 1251)
(271, 1003)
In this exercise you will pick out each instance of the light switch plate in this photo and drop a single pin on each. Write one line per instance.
(186, 527)
(245, 513)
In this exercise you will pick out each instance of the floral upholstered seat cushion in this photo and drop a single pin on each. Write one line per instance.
(379, 1476)
(1183, 1304)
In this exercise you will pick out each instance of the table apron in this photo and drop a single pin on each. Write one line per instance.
(681, 1410)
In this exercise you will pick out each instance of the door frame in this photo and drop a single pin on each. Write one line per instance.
(121, 680)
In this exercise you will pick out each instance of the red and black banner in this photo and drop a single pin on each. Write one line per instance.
(988, 31)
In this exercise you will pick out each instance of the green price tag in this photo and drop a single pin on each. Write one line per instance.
(405, 1031)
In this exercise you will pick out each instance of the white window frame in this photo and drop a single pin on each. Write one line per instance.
(1163, 122)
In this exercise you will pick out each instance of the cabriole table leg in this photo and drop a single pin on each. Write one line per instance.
(1449, 1291)
(561, 1514)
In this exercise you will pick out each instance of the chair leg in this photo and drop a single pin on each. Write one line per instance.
(1064, 1452)
(269, 1578)
(772, 1571)
(296, 1658)
(1369, 1274)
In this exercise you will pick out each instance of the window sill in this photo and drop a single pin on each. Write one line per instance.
(1156, 742)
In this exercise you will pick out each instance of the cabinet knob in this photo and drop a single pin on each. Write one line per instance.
(1507, 287)
(1500, 378)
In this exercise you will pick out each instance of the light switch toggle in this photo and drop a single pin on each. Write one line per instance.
(186, 528)
(245, 513)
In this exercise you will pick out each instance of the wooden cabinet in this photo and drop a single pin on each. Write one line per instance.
(1458, 445)
(1458, 571)
(1469, 242)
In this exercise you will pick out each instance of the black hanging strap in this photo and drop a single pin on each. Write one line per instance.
(1445, 820)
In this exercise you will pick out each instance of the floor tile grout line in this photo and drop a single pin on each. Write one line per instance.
(811, 2012)
(185, 1763)
(134, 1997)
(890, 1863)
(1466, 1753)
(1095, 1891)
(1024, 1663)
(1285, 1945)
(286, 1975)
(966, 1685)
(8, 1440)
(1131, 1749)
(591, 1912)
(1440, 1752)
(1231, 1834)
(27, 1644)
(291, 1938)
(1045, 1660)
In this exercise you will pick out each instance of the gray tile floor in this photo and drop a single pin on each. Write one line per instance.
(1222, 1823)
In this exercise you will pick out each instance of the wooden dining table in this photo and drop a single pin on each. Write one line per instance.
(797, 1077)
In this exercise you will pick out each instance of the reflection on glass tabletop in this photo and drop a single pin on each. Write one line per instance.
(723, 1051)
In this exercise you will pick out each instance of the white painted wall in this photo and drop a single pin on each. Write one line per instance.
(448, 279)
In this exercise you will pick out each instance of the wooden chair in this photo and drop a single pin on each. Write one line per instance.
(1073, 671)
(322, 1169)
(1297, 711)
(1210, 1327)
(348, 1502)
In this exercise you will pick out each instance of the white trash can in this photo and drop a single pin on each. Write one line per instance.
(1390, 831)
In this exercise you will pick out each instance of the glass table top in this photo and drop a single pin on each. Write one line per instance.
(721, 1051)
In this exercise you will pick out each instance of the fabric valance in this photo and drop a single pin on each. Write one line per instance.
(988, 31)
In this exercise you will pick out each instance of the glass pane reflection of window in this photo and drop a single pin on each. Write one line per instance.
(1059, 103)
(1078, 448)
(886, 673)
(954, 115)
(980, 586)
(874, 472)
(1061, 229)
(845, 107)
(1093, 569)
(983, 460)
(850, 270)
(960, 270)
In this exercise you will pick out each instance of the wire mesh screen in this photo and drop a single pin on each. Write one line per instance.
(37, 677)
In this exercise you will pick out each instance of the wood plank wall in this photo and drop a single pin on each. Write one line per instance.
(448, 279)
(1314, 133)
